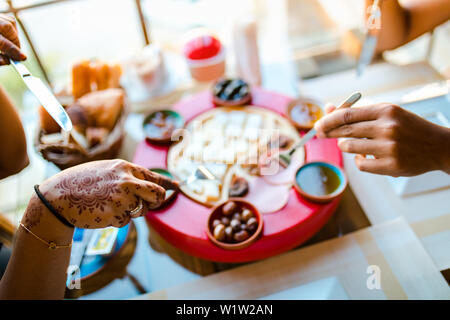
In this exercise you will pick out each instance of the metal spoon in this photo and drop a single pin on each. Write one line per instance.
(201, 173)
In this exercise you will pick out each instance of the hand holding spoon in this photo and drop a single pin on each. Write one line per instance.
(285, 157)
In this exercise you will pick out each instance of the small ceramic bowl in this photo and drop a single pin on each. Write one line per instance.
(157, 134)
(170, 194)
(239, 95)
(320, 170)
(304, 112)
(216, 212)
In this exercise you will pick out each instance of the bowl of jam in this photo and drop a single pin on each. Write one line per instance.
(304, 112)
(320, 181)
(159, 126)
(231, 92)
(234, 224)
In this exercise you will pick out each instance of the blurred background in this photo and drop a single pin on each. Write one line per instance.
(310, 32)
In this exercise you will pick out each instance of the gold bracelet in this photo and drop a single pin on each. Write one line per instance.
(51, 245)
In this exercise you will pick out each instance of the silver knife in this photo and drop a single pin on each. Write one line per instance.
(373, 25)
(367, 52)
(45, 96)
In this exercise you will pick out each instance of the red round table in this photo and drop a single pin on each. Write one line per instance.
(183, 222)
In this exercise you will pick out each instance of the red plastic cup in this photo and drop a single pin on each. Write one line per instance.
(205, 57)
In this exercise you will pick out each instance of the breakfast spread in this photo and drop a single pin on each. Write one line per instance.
(219, 163)
(231, 92)
(229, 141)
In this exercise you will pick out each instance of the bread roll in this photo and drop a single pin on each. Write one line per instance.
(103, 107)
(96, 135)
(81, 79)
(48, 125)
(79, 116)
(102, 75)
(114, 76)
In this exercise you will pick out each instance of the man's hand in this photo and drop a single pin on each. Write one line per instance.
(9, 41)
(402, 143)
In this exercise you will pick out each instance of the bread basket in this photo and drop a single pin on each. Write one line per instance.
(68, 155)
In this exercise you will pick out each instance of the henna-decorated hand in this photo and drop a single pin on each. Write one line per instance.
(102, 193)
(9, 41)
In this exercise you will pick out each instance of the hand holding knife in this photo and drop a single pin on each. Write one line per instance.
(44, 95)
(373, 25)
(10, 53)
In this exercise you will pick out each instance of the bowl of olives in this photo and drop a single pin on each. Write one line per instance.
(234, 224)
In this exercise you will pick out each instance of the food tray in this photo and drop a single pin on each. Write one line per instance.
(183, 222)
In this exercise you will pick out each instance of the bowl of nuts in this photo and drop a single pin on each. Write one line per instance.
(234, 224)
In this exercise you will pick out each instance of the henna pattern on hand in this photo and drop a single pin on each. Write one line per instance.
(122, 219)
(88, 191)
(33, 215)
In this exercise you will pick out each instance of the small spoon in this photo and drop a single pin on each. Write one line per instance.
(200, 174)
(285, 157)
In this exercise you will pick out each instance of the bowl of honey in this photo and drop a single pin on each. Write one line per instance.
(320, 181)
(304, 112)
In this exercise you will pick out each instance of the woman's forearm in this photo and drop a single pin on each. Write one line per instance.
(35, 271)
(13, 146)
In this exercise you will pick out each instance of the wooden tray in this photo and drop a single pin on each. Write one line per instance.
(182, 223)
